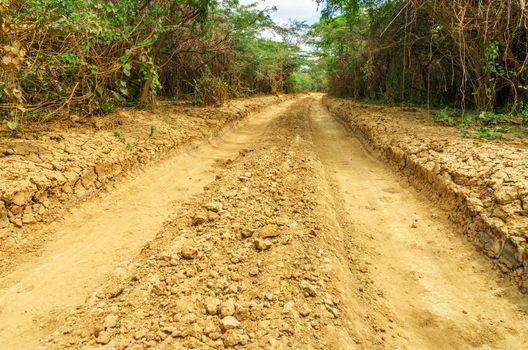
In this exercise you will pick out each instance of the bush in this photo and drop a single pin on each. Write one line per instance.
(211, 90)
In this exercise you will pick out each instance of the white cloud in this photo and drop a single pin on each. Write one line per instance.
(286, 9)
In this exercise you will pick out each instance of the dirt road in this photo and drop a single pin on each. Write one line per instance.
(100, 237)
(300, 240)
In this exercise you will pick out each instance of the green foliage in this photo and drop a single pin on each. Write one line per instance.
(520, 108)
(12, 125)
(95, 55)
(491, 118)
(58, 138)
(490, 62)
(444, 117)
(464, 130)
(487, 125)
(152, 130)
(486, 134)
(118, 133)
(413, 52)
(502, 129)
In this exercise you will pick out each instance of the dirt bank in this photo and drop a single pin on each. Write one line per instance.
(45, 172)
(484, 185)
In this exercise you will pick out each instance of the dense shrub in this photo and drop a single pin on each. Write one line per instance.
(461, 52)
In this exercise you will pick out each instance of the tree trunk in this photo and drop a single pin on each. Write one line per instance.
(155, 52)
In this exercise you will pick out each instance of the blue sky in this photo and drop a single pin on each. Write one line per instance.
(304, 10)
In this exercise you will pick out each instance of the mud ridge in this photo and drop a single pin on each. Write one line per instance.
(485, 195)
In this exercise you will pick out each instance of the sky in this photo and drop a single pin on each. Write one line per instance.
(303, 10)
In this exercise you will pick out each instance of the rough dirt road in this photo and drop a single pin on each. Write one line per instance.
(99, 237)
(302, 241)
(443, 292)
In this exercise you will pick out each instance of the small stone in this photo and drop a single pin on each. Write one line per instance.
(116, 291)
(214, 207)
(212, 216)
(288, 307)
(228, 323)
(333, 311)
(235, 338)
(305, 310)
(285, 328)
(261, 244)
(168, 330)
(245, 233)
(110, 321)
(189, 318)
(21, 198)
(253, 271)
(95, 330)
(228, 308)
(188, 252)
(328, 300)
(242, 312)
(103, 338)
(309, 289)
(215, 335)
(268, 231)
(212, 305)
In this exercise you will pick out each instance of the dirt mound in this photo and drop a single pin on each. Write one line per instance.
(484, 185)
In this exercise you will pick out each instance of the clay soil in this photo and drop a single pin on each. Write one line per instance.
(49, 168)
(286, 232)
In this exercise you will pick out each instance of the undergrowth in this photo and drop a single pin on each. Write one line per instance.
(486, 125)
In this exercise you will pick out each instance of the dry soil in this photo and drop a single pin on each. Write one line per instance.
(283, 234)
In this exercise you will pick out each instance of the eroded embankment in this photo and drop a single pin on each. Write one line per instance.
(43, 173)
(483, 185)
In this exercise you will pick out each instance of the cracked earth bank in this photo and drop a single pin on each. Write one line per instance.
(303, 241)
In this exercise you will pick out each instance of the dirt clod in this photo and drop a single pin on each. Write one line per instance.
(229, 322)
(110, 321)
(262, 244)
(189, 252)
(268, 231)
